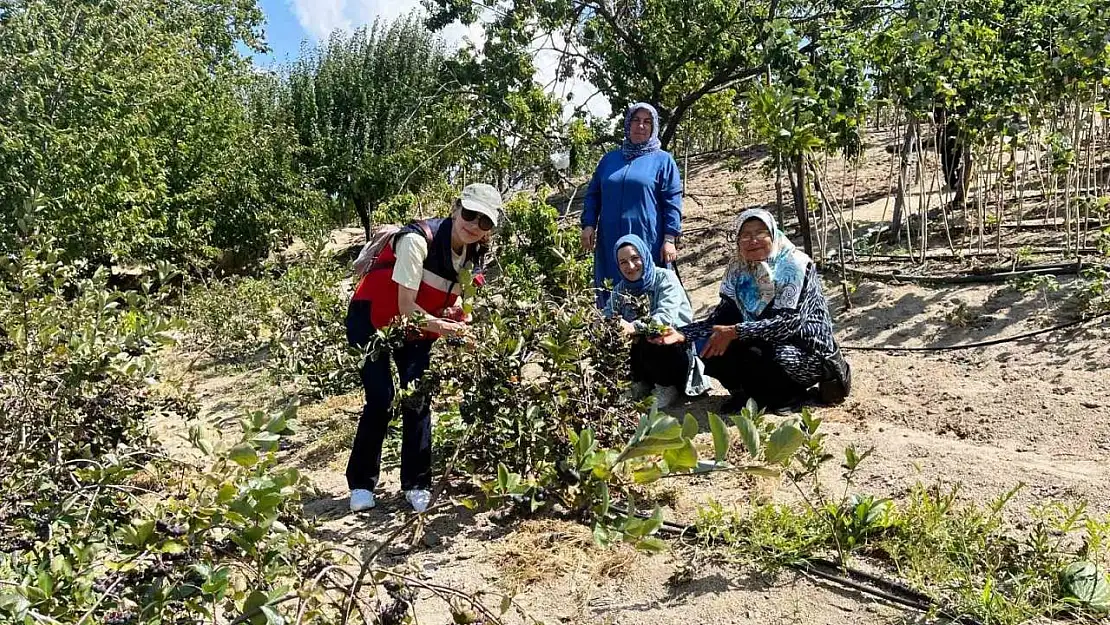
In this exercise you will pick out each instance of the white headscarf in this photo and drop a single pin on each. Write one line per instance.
(779, 279)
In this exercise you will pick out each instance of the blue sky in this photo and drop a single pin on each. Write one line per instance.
(289, 22)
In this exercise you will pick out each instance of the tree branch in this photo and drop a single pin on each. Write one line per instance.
(635, 51)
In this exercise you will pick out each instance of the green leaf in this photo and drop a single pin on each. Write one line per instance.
(651, 544)
(761, 471)
(720, 437)
(649, 446)
(601, 508)
(216, 583)
(601, 534)
(173, 547)
(243, 455)
(666, 427)
(647, 475)
(46, 583)
(689, 426)
(1085, 583)
(254, 603)
(682, 459)
(784, 441)
(748, 433)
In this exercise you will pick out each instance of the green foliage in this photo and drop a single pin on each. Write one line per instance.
(535, 255)
(132, 123)
(309, 345)
(74, 354)
(367, 111)
(532, 371)
(677, 54)
(857, 518)
(1093, 296)
(97, 524)
(293, 322)
(990, 63)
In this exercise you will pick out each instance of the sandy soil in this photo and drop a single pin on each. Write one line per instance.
(1035, 411)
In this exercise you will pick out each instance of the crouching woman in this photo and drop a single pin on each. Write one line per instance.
(648, 296)
(416, 274)
(771, 337)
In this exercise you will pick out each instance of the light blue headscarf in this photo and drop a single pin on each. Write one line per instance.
(779, 279)
(635, 150)
(647, 278)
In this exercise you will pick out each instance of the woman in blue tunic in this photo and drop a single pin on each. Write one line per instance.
(634, 190)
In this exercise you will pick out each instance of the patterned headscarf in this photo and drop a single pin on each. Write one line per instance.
(635, 150)
(779, 279)
(648, 275)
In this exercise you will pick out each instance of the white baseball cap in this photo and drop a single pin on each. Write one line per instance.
(484, 199)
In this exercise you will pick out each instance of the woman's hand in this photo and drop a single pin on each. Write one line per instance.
(670, 336)
(627, 327)
(719, 342)
(446, 327)
(670, 252)
(456, 313)
(588, 238)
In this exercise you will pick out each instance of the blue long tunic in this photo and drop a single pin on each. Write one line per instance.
(642, 197)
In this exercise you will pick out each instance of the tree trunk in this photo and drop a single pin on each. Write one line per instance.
(903, 175)
(364, 209)
(799, 190)
(778, 193)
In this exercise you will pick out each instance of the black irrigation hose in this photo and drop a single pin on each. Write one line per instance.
(861, 581)
(991, 277)
(988, 343)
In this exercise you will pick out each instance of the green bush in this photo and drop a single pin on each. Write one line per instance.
(292, 322)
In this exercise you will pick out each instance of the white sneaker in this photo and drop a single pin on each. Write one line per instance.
(419, 498)
(665, 396)
(362, 499)
(639, 390)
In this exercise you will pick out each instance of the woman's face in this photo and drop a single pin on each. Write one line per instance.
(754, 241)
(467, 232)
(639, 129)
(630, 263)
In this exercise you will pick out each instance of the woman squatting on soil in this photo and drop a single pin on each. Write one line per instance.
(634, 190)
(654, 292)
(416, 274)
(770, 338)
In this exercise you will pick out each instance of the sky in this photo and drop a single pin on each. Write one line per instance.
(290, 22)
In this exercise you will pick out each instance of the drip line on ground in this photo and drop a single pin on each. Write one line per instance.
(890, 591)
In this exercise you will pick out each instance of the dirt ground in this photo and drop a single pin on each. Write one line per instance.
(1034, 411)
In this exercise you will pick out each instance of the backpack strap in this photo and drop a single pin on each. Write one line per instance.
(425, 229)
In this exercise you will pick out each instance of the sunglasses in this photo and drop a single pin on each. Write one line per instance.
(484, 221)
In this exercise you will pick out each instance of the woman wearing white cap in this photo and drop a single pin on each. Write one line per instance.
(415, 274)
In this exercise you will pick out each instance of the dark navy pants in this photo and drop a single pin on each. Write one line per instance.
(364, 465)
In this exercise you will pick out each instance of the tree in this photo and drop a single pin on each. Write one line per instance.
(671, 53)
(128, 118)
(369, 110)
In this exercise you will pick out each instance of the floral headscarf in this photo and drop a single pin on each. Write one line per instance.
(779, 279)
(635, 150)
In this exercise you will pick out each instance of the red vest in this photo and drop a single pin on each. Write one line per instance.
(439, 287)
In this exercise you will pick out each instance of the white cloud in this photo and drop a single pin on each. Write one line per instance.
(320, 17)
